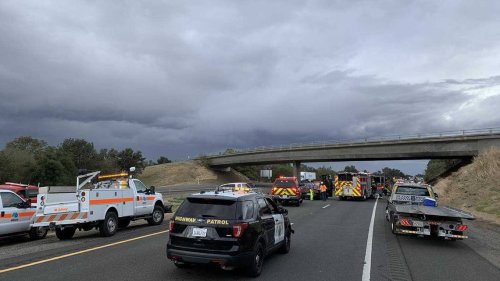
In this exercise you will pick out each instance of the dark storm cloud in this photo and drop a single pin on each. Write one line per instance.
(179, 79)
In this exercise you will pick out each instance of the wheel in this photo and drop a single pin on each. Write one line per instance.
(38, 233)
(122, 223)
(393, 226)
(109, 225)
(255, 268)
(65, 233)
(285, 248)
(157, 217)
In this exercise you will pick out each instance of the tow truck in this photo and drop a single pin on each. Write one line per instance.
(105, 202)
(412, 209)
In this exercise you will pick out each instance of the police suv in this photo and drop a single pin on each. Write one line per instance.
(16, 216)
(228, 229)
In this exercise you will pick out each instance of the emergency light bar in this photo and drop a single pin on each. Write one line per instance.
(119, 175)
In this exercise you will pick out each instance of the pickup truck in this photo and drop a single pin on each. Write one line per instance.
(105, 202)
(16, 216)
(412, 209)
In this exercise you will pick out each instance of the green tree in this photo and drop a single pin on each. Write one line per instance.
(28, 144)
(55, 168)
(129, 158)
(81, 152)
(163, 160)
(350, 169)
(16, 165)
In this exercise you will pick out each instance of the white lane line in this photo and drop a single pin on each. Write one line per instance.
(326, 206)
(367, 267)
(80, 252)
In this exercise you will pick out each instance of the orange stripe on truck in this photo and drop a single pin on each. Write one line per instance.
(27, 214)
(110, 201)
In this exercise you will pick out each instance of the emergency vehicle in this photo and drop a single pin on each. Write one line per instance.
(353, 185)
(25, 191)
(228, 229)
(412, 209)
(16, 216)
(287, 190)
(109, 202)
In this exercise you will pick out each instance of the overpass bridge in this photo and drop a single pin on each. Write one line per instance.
(454, 144)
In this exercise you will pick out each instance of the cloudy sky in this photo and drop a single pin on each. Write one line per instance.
(180, 78)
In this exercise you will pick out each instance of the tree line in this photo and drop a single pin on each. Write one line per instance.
(32, 161)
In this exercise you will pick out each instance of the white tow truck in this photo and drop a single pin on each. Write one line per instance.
(105, 202)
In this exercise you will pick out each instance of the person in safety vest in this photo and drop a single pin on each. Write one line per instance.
(322, 189)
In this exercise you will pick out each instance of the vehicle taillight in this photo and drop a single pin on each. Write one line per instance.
(238, 229)
(274, 188)
(296, 190)
(405, 222)
(171, 225)
(462, 227)
(83, 193)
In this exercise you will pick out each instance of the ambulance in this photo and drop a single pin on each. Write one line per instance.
(104, 202)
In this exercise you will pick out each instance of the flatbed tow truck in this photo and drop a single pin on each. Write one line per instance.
(412, 209)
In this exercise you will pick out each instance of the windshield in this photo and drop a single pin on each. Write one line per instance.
(207, 207)
(345, 177)
(413, 190)
(284, 183)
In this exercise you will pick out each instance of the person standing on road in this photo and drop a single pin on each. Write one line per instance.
(322, 189)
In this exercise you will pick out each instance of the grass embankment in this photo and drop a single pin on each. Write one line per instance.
(186, 172)
(475, 187)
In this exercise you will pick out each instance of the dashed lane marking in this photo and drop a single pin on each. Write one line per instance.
(80, 252)
(326, 206)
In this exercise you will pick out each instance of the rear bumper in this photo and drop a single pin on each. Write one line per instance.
(208, 258)
(288, 198)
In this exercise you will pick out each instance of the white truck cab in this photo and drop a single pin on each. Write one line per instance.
(105, 202)
(16, 216)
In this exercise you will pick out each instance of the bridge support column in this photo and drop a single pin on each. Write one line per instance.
(296, 169)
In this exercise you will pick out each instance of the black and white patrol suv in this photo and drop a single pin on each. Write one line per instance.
(228, 229)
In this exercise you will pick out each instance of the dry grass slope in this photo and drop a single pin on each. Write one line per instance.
(475, 187)
(186, 172)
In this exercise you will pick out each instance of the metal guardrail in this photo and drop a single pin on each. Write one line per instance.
(293, 146)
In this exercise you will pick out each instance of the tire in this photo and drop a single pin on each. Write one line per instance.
(109, 225)
(255, 268)
(65, 233)
(38, 233)
(393, 226)
(285, 248)
(157, 216)
(122, 223)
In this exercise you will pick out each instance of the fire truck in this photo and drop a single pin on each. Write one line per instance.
(104, 202)
(353, 185)
(286, 190)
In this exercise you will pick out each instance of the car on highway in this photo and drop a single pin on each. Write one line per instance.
(235, 186)
(25, 191)
(16, 216)
(228, 229)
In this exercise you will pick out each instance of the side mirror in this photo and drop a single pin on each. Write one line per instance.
(23, 205)
(152, 189)
(436, 195)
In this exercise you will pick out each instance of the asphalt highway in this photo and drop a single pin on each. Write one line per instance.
(329, 243)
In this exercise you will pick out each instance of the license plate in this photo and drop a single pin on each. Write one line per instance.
(285, 196)
(199, 232)
(418, 224)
